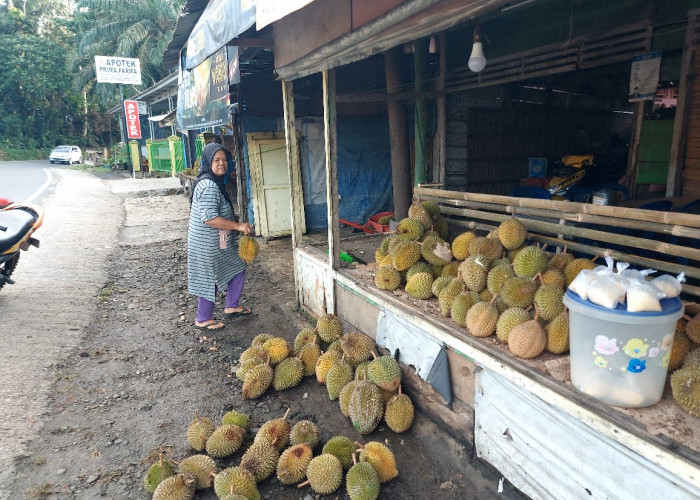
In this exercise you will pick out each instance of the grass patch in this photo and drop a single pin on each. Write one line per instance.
(106, 292)
(90, 168)
(46, 490)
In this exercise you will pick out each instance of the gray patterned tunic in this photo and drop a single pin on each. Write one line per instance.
(207, 264)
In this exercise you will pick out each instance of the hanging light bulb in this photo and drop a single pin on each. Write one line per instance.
(477, 60)
(432, 46)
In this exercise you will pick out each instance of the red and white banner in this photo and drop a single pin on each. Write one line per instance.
(133, 125)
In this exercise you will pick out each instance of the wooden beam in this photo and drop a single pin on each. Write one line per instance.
(674, 180)
(383, 97)
(294, 171)
(251, 42)
(331, 140)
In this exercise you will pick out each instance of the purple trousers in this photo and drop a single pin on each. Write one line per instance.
(205, 308)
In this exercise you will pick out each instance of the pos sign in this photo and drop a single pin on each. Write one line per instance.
(133, 125)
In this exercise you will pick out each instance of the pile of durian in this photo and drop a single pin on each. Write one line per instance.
(684, 364)
(277, 448)
(487, 284)
(367, 386)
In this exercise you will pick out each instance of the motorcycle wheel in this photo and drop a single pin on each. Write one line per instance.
(8, 267)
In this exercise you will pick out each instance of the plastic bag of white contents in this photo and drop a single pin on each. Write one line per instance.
(643, 297)
(580, 283)
(606, 270)
(670, 286)
(605, 292)
(636, 275)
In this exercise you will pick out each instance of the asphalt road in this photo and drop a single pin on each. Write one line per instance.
(26, 181)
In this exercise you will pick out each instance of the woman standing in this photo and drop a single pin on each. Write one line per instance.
(212, 241)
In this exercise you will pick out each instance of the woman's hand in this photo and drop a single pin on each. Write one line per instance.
(245, 228)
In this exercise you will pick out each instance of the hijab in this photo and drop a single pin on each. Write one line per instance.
(205, 171)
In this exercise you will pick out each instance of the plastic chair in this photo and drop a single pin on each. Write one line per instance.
(531, 192)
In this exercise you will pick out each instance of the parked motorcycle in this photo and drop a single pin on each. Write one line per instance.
(17, 225)
(569, 172)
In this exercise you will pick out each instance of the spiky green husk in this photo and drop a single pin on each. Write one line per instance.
(235, 418)
(304, 431)
(420, 286)
(179, 487)
(481, 319)
(201, 468)
(236, 480)
(385, 372)
(329, 328)
(305, 336)
(519, 292)
(448, 294)
(404, 255)
(557, 332)
(292, 465)
(156, 473)
(530, 261)
(362, 482)
(325, 473)
(409, 229)
(257, 381)
(509, 319)
(474, 271)
(260, 339)
(260, 459)
(357, 347)
(275, 431)
(225, 441)
(685, 385)
(418, 267)
(199, 431)
(247, 248)
(497, 276)
(548, 301)
(512, 233)
(366, 407)
(428, 251)
(418, 211)
(339, 374)
(461, 305)
(342, 448)
(277, 349)
(324, 363)
(399, 413)
(288, 374)
(381, 458)
(460, 245)
(309, 355)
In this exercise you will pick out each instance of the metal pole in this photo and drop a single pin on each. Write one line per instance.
(124, 133)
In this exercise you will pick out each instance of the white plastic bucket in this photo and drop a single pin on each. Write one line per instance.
(620, 357)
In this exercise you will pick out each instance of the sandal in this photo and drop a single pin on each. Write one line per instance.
(211, 325)
(243, 312)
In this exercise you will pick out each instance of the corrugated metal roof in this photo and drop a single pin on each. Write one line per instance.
(167, 87)
(185, 24)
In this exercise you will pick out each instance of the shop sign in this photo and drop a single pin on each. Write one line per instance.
(133, 125)
(118, 70)
(645, 76)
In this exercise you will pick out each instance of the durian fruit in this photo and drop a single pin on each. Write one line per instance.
(387, 278)
(692, 358)
(366, 407)
(288, 373)
(553, 277)
(692, 329)
(432, 208)
(257, 381)
(557, 332)
(324, 474)
(201, 467)
(548, 301)
(685, 385)
(485, 295)
(528, 339)
(420, 286)
(324, 363)
(235, 418)
(276, 431)
(404, 255)
(260, 459)
(576, 266)
(519, 292)
(344, 396)
(342, 448)
(441, 227)
(490, 248)
(199, 431)
(385, 220)
(157, 472)
(530, 261)
(236, 480)
(461, 305)
(233, 496)
(277, 349)
(387, 395)
(305, 336)
(361, 370)
(399, 412)
(247, 248)
(357, 347)
(255, 351)
(680, 349)
(339, 374)
(385, 372)
(450, 269)
(335, 346)
(381, 458)
(500, 304)
(509, 319)
(225, 441)
(292, 465)
(179, 487)
(260, 339)
(560, 260)
(362, 481)
(436, 251)
(246, 366)
(497, 276)
(304, 431)
(439, 284)
(409, 229)
(418, 267)
(329, 328)
(448, 294)
(460, 245)
(418, 211)
(383, 249)
(482, 318)
(309, 355)
(512, 233)
(474, 271)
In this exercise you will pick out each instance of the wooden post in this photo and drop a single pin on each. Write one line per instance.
(441, 133)
(398, 134)
(294, 171)
(331, 140)
(420, 119)
(632, 159)
(674, 181)
(241, 188)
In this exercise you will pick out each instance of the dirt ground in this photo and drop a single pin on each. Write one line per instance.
(141, 370)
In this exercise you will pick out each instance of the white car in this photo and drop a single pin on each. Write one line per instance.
(66, 154)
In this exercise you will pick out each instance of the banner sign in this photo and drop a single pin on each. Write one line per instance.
(203, 97)
(221, 21)
(143, 107)
(118, 70)
(645, 76)
(133, 125)
(269, 11)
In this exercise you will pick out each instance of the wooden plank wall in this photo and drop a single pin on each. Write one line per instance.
(691, 170)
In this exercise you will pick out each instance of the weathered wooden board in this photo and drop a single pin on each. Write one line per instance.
(547, 454)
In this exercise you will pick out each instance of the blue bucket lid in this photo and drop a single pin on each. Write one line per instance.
(668, 306)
